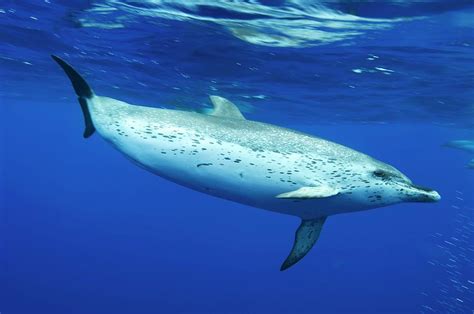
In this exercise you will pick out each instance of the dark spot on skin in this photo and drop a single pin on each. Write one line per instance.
(204, 164)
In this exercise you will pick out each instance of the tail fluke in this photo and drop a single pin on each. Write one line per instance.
(83, 91)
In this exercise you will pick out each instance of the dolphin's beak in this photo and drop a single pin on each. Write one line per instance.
(422, 194)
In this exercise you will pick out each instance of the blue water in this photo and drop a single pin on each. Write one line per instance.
(83, 230)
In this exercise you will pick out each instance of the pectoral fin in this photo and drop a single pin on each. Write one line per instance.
(305, 237)
(308, 192)
(224, 108)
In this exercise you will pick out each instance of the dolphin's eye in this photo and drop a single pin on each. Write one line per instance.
(380, 173)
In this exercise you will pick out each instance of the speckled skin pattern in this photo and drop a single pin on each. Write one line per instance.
(250, 162)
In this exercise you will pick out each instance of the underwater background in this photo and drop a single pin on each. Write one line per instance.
(83, 230)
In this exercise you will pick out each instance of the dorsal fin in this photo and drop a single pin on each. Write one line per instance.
(305, 237)
(224, 108)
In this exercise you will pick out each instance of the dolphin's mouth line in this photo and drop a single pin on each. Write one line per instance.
(422, 188)
(414, 187)
(423, 194)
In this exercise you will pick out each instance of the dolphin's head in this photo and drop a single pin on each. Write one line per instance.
(385, 185)
(470, 165)
(466, 145)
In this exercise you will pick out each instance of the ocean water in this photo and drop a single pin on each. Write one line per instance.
(83, 230)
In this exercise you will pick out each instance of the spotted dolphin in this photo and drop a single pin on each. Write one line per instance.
(465, 145)
(253, 163)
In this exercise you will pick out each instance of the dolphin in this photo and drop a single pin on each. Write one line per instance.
(470, 164)
(253, 163)
(465, 145)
